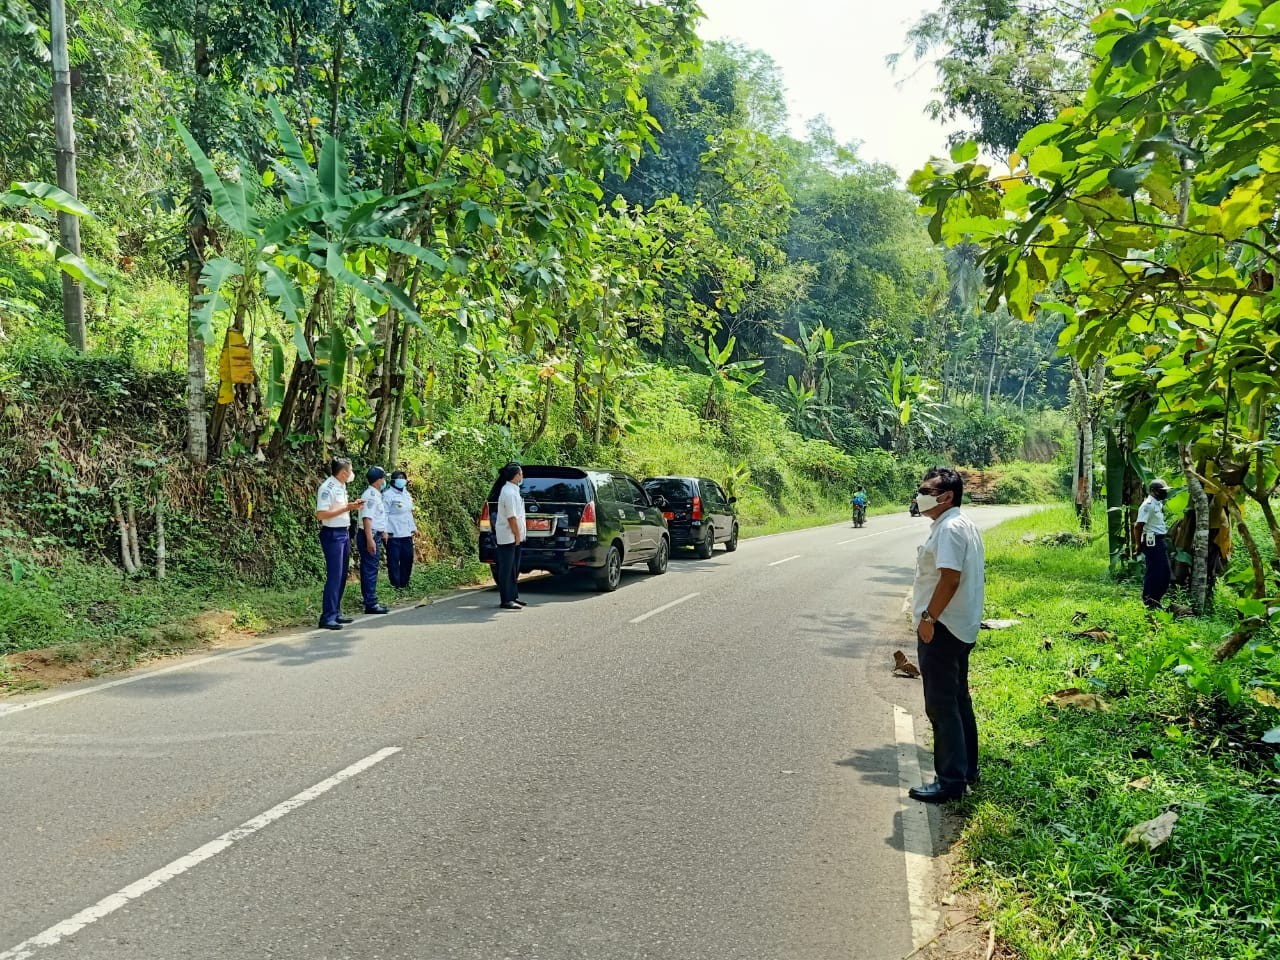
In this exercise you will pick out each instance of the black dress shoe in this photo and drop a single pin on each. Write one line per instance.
(973, 780)
(519, 603)
(346, 620)
(378, 609)
(510, 605)
(331, 625)
(934, 793)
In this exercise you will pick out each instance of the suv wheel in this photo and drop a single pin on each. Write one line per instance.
(660, 559)
(608, 579)
(706, 544)
(731, 544)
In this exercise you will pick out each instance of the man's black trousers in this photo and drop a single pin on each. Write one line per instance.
(944, 668)
(1155, 583)
(508, 571)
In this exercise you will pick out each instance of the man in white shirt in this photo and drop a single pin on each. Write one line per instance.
(371, 537)
(1149, 534)
(332, 510)
(947, 610)
(509, 533)
(400, 529)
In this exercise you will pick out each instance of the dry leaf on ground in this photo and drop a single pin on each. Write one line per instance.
(1152, 833)
(1096, 633)
(1075, 697)
(1265, 697)
(999, 624)
(1142, 783)
(902, 667)
(1079, 617)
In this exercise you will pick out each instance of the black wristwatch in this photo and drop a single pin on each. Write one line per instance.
(928, 617)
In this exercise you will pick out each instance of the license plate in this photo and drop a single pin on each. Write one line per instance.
(669, 515)
(539, 526)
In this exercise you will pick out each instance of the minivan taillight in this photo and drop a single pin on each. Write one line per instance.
(697, 508)
(587, 525)
(485, 525)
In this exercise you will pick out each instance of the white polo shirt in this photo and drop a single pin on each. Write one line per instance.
(954, 543)
(374, 509)
(510, 504)
(399, 504)
(332, 494)
(1151, 514)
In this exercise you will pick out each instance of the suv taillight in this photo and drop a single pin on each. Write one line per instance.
(697, 508)
(587, 525)
(485, 525)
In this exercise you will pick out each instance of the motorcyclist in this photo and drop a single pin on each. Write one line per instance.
(859, 503)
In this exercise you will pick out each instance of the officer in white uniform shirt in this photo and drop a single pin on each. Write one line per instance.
(371, 537)
(947, 609)
(1149, 533)
(333, 511)
(400, 529)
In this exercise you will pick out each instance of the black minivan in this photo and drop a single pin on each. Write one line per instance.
(699, 513)
(598, 521)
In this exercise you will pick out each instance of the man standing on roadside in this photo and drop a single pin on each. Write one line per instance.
(509, 533)
(400, 529)
(371, 538)
(1151, 540)
(332, 511)
(947, 610)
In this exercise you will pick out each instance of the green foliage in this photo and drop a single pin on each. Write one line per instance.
(978, 440)
(1045, 830)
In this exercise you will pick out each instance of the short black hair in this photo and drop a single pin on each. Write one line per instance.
(509, 471)
(948, 479)
(337, 465)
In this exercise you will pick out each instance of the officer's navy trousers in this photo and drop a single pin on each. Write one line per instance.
(1155, 583)
(369, 567)
(336, 544)
(399, 561)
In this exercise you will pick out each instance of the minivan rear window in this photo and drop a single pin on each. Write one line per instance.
(554, 489)
(672, 489)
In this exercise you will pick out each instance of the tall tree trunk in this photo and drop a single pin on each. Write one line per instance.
(1116, 535)
(1199, 583)
(197, 425)
(1084, 448)
(65, 136)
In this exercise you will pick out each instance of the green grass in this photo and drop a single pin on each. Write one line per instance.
(1045, 832)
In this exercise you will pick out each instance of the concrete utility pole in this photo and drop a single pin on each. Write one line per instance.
(65, 135)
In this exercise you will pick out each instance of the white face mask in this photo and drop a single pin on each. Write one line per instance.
(926, 502)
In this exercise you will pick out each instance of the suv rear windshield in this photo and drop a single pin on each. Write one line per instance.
(554, 489)
(672, 489)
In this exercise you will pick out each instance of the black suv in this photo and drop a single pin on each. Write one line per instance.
(699, 513)
(579, 519)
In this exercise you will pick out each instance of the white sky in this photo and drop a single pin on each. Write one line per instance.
(832, 57)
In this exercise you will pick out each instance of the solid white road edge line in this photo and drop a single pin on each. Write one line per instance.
(151, 881)
(9, 708)
(917, 839)
(786, 560)
(666, 606)
(878, 533)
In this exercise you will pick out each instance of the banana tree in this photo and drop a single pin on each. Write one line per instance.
(724, 376)
(907, 404)
(330, 237)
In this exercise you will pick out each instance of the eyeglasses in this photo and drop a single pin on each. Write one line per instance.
(928, 491)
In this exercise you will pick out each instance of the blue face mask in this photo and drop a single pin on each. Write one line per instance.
(400, 483)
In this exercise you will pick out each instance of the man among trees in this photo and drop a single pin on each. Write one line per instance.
(1151, 540)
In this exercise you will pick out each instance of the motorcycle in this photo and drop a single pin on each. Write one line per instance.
(859, 514)
(914, 509)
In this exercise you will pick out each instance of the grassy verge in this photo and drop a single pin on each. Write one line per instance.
(1062, 787)
(108, 622)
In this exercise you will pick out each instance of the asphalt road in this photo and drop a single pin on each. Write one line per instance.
(583, 779)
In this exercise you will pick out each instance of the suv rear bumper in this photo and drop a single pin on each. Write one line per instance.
(685, 533)
(582, 552)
